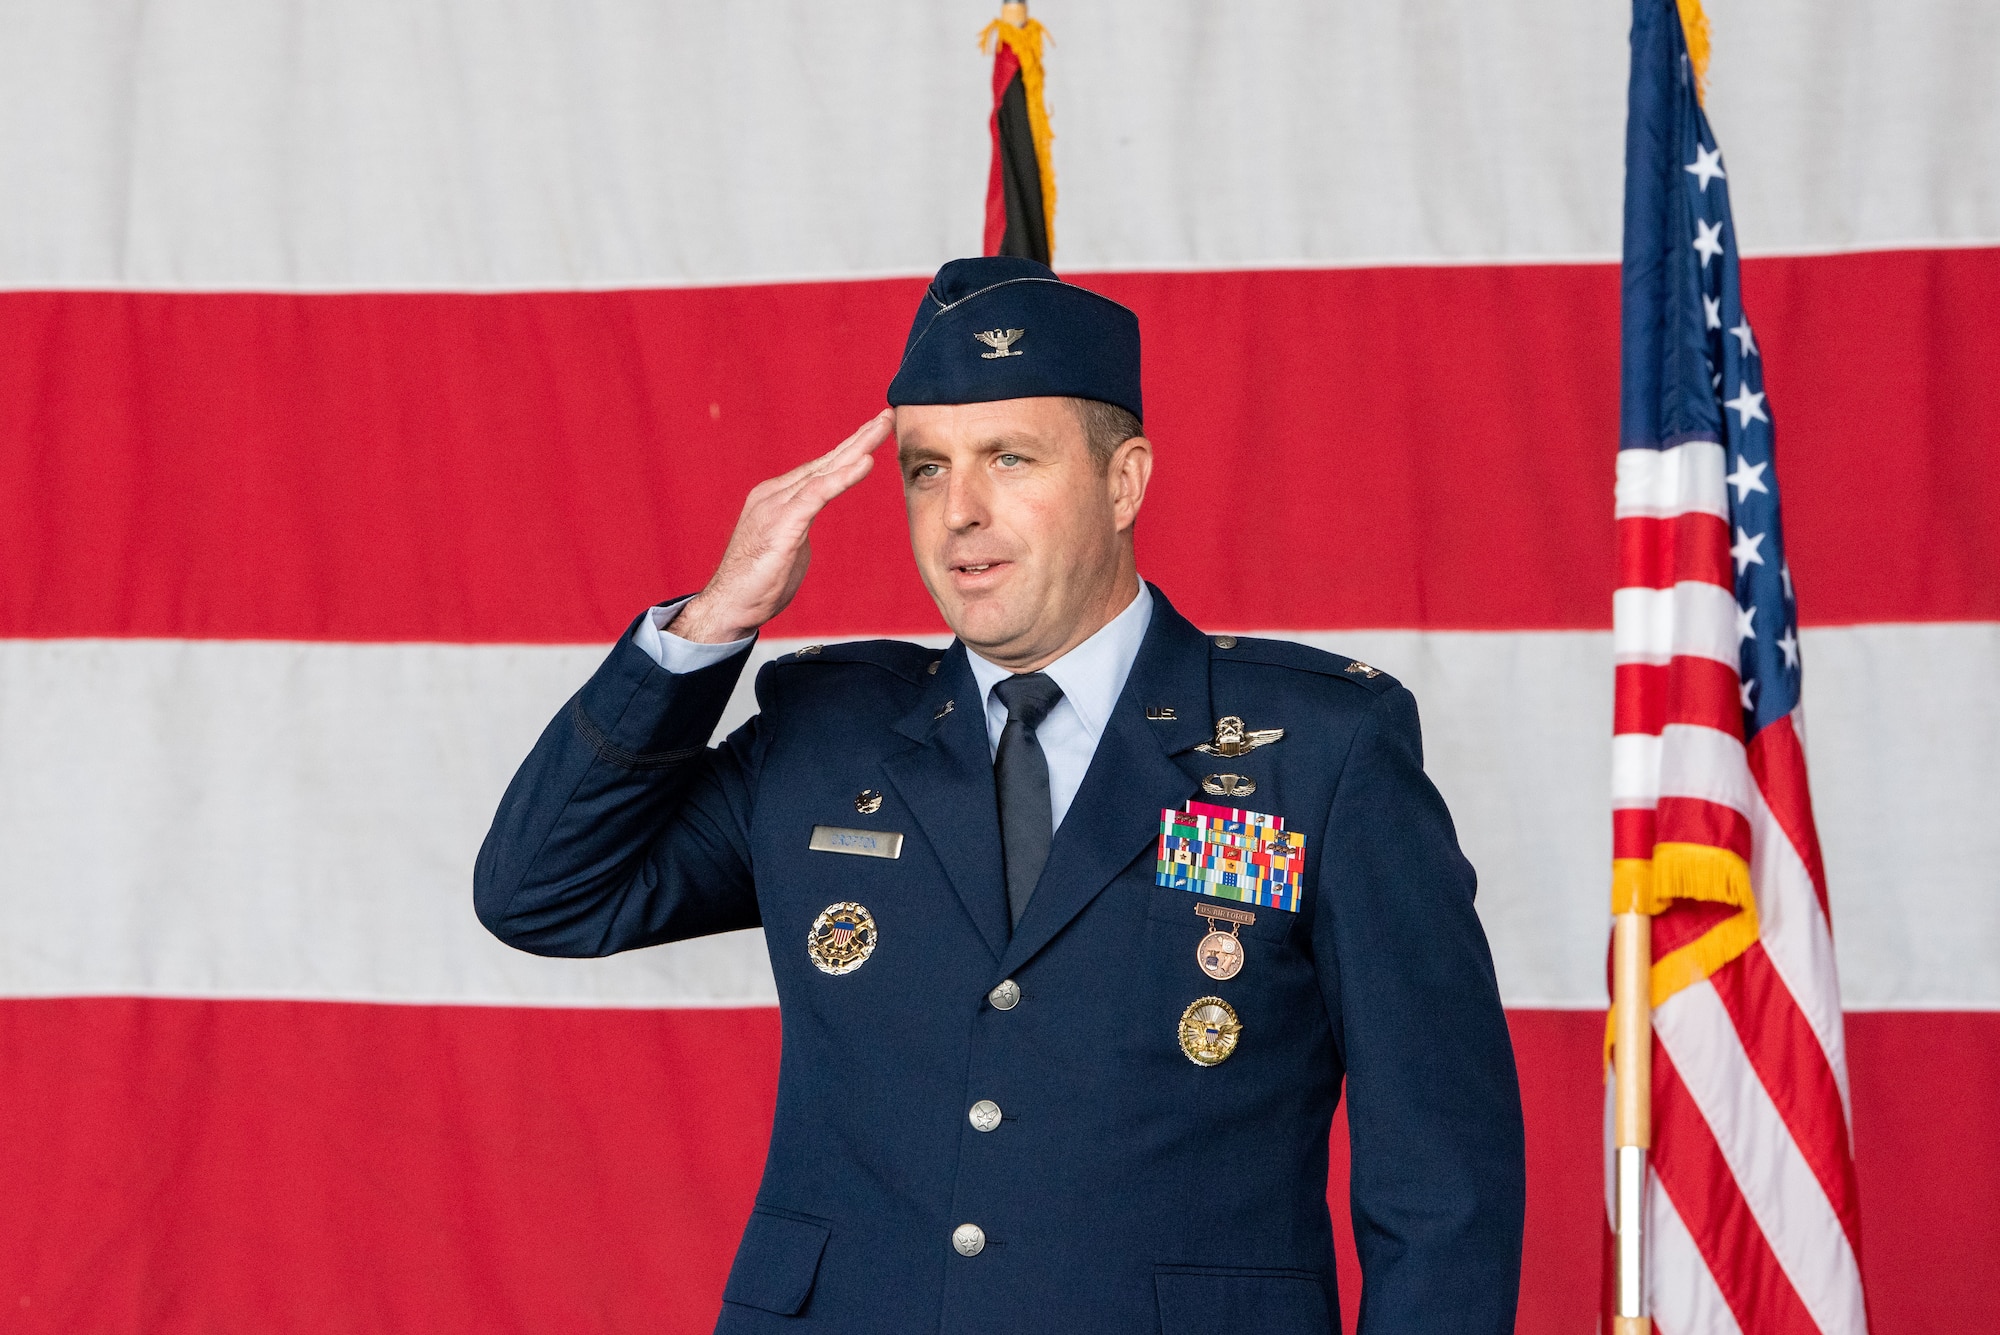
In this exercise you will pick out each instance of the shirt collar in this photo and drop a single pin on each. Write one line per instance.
(1092, 675)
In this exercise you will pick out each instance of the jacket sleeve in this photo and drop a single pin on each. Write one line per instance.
(1433, 1106)
(622, 828)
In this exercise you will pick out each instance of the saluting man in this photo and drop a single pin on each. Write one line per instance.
(1078, 925)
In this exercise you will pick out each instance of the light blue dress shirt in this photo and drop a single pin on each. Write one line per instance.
(1092, 676)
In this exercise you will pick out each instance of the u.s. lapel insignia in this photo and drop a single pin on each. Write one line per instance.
(842, 938)
(1228, 785)
(1232, 739)
(1209, 1031)
(1002, 342)
(1362, 669)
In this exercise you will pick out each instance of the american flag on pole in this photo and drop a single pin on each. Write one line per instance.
(1752, 1222)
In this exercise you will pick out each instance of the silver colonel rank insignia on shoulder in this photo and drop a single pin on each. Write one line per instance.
(1001, 341)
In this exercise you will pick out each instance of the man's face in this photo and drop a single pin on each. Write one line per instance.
(1022, 539)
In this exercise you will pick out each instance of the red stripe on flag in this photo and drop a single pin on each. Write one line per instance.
(452, 1158)
(1692, 690)
(1632, 832)
(1428, 443)
(1845, 340)
(1692, 820)
(1685, 921)
(178, 1167)
(1697, 1180)
(1794, 1070)
(1660, 553)
(1778, 763)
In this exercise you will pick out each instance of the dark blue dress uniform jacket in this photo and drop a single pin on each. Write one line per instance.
(1126, 1188)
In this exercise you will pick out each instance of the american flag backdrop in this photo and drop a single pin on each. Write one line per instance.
(1753, 1218)
(365, 368)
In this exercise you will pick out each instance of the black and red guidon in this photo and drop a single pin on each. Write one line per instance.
(1016, 214)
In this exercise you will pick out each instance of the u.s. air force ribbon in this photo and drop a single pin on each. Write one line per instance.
(1229, 853)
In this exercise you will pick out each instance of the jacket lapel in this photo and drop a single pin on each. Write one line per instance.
(1115, 816)
(947, 782)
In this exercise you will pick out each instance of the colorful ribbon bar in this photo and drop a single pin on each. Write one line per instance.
(1229, 853)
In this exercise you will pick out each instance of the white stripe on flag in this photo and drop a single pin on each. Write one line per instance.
(244, 818)
(1684, 760)
(1777, 1183)
(1704, 763)
(1682, 1295)
(440, 145)
(1635, 769)
(1684, 479)
(1794, 934)
(1693, 619)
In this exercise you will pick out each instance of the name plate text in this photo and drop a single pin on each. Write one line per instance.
(862, 843)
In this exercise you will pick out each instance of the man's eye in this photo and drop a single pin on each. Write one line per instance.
(1009, 460)
(926, 470)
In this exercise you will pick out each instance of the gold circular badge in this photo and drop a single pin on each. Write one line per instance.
(842, 938)
(1220, 955)
(1209, 1030)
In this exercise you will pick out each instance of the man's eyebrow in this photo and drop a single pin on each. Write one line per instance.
(1013, 440)
(911, 451)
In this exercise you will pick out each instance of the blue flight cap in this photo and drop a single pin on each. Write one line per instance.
(1001, 327)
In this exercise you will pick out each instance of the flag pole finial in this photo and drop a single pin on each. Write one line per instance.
(1015, 12)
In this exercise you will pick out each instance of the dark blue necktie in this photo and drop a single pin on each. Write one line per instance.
(1021, 775)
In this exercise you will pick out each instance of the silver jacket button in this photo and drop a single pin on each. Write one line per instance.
(985, 1115)
(969, 1239)
(1006, 996)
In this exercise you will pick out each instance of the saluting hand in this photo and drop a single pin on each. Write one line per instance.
(768, 553)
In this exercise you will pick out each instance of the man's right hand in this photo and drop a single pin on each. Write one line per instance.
(768, 553)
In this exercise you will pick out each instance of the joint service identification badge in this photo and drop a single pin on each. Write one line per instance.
(842, 938)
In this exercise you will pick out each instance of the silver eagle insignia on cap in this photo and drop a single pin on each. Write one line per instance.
(1001, 341)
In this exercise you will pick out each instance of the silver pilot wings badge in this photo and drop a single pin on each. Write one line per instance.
(1233, 739)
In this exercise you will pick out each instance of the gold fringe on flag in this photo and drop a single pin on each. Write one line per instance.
(1694, 26)
(1685, 871)
(1025, 40)
(1680, 871)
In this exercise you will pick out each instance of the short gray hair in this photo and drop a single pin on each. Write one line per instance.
(1106, 426)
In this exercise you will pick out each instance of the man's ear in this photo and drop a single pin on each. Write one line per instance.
(1130, 469)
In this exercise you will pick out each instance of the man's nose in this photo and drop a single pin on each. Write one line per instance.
(964, 502)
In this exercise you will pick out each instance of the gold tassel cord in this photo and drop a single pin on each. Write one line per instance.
(1687, 871)
(1699, 959)
(1025, 41)
(1694, 26)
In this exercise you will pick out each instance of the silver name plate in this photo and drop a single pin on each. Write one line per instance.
(864, 843)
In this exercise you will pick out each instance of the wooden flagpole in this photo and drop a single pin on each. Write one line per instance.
(1631, 1114)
